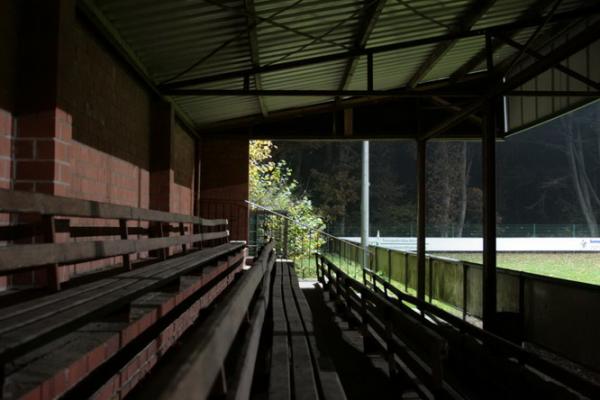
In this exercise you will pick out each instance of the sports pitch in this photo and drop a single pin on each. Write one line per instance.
(580, 267)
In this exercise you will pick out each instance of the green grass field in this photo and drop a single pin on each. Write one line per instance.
(580, 267)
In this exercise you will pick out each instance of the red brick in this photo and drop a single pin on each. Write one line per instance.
(5, 146)
(55, 386)
(24, 148)
(63, 130)
(62, 116)
(112, 346)
(5, 168)
(35, 170)
(35, 394)
(24, 186)
(36, 125)
(46, 187)
(44, 149)
(6, 120)
(96, 357)
(108, 390)
(62, 189)
(77, 371)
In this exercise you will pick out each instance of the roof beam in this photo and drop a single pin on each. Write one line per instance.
(465, 23)
(341, 103)
(567, 49)
(254, 55)
(271, 21)
(401, 93)
(370, 15)
(568, 15)
(534, 11)
(322, 92)
(567, 71)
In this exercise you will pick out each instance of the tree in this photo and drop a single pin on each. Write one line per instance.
(585, 189)
(272, 187)
(447, 186)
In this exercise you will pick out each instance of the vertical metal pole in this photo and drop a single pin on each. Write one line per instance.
(421, 215)
(286, 228)
(489, 204)
(364, 205)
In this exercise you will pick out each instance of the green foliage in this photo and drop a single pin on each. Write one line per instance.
(272, 186)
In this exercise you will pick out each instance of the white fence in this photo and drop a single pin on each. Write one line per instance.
(459, 245)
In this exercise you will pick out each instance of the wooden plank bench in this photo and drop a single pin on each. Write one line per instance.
(50, 218)
(29, 330)
(200, 368)
(298, 368)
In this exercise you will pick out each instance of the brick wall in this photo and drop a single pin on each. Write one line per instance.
(93, 139)
(111, 108)
(100, 176)
(41, 152)
(183, 154)
(8, 73)
(6, 166)
(224, 183)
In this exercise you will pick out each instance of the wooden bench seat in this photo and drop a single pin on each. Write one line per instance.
(49, 344)
(24, 325)
(298, 368)
(218, 356)
(73, 317)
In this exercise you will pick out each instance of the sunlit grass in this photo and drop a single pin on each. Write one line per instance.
(580, 267)
(354, 270)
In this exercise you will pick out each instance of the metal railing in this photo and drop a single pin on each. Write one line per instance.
(299, 242)
(448, 355)
(528, 305)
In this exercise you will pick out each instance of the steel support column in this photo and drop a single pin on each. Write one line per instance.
(489, 204)
(421, 216)
(364, 205)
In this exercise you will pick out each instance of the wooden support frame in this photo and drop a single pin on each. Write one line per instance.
(30, 256)
(421, 216)
(124, 236)
(489, 204)
(53, 269)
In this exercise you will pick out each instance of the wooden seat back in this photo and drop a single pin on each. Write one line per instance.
(51, 231)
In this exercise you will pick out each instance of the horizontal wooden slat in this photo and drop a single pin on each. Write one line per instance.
(212, 222)
(21, 331)
(210, 344)
(31, 255)
(214, 235)
(26, 202)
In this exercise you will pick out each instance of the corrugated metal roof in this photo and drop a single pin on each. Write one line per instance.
(185, 39)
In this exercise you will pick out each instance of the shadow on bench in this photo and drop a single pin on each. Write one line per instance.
(298, 369)
(50, 344)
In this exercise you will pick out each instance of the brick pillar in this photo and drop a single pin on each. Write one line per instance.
(42, 152)
(6, 129)
(42, 132)
(224, 183)
(6, 166)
